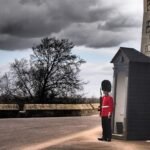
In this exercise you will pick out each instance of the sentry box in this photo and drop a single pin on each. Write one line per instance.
(131, 92)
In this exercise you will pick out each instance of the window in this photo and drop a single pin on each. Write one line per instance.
(148, 26)
(121, 59)
(147, 48)
(148, 5)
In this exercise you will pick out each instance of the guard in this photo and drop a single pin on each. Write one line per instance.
(106, 109)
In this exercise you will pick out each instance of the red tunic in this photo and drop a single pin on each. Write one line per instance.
(107, 106)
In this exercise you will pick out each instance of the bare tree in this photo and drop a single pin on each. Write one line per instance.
(55, 68)
(52, 71)
(22, 78)
(6, 90)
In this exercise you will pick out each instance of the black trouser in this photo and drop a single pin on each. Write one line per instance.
(106, 126)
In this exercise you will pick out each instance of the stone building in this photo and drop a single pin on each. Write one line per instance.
(145, 45)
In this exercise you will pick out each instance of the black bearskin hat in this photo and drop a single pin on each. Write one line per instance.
(106, 85)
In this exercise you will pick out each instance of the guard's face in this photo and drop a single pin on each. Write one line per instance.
(105, 92)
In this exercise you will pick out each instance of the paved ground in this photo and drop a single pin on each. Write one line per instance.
(61, 133)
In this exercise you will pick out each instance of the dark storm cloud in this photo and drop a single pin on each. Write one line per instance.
(120, 22)
(36, 2)
(92, 36)
(39, 18)
(14, 43)
(85, 22)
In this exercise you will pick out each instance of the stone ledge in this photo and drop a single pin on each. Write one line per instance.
(91, 106)
(61, 106)
(47, 110)
(9, 107)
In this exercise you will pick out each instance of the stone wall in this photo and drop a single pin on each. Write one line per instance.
(47, 110)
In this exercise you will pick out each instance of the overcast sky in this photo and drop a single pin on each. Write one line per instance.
(97, 27)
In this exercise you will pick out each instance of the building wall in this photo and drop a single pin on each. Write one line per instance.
(145, 45)
(138, 105)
